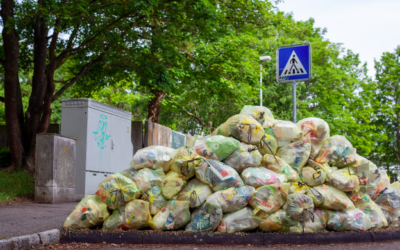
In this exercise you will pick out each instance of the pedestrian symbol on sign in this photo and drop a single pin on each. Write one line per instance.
(293, 66)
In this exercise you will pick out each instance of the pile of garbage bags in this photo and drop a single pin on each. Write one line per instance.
(252, 172)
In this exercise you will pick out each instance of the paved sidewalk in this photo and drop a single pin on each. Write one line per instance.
(27, 219)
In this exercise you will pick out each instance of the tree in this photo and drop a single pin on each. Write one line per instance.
(386, 103)
(103, 39)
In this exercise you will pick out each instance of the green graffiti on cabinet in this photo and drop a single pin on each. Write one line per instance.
(100, 133)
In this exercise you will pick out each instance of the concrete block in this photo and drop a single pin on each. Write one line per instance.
(50, 237)
(25, 242)
(55, 169)
(6, 244)
(53, 195)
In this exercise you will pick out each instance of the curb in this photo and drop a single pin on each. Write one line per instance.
(28, 241)
(230, 239)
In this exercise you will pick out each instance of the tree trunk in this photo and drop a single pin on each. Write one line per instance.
(154, 106)
(39, 85)
(12, 90)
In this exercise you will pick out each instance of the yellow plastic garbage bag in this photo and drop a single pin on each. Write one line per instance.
(239, 221)
(334, 149)
(392, 219)
(145, 178)
(286, 132)
(205, 218)
(277, 165)
(232, 199)
(185, 161)
(135, 215)
(155, 198)
(280, 221)
(317, 130)
(302, 188)
(243, 128)
(268, 199)
(369, 177)
(172, 184)
(389, 199)
(260, 176)
(312, 177)
(218, 175)
(317, 223)
(333, 198)
(116, 190)
(153, 157)
(345, 180)
(384, 182)
(216, 147)
(196, 193)
(91, 211)
(370, 208)
(299, 206)
(262, 114)
(174, 215)
(295, 154)
(351, 220)
(318, 166)
(190, 143)
(243, 157)
(268, 143)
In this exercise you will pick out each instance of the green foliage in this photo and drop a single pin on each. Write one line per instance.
(385, 102)
(16, 184)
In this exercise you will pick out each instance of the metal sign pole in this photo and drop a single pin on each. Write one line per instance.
(260, 83)
(294, 100)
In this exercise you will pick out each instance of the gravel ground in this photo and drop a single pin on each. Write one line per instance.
(394, 245)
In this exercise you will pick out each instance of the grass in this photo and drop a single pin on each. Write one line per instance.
(16, 184)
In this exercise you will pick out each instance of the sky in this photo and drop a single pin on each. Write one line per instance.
(367, 27)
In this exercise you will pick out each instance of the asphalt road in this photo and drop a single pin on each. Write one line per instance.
(32, 218)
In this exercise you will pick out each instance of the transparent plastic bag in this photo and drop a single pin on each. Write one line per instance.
(262, 114)
(155, 198)
(135, 215)
(91, 211)
(260, 176)
(280, 221)
(351, 220)
(243, 128)
(196, 193)
(302, 188)
(370, 208)
(243, 157)
(172, 184)
(295, 154)
(333, 198)
(334, 149)
(218, 175)
(312, 177)
(344, 179)
(389, 199)
(205, 218)
(232, 199)
(277, 165)
(174, 215)
(185, 161)
(317, 166)
(216, 147)
(239, 221)
(116, 190)
(145, 178)
(299, 206)
(286, 132)
(317, 130)
(268, 199)
(190, 143)
(268, 143)
(153, 157)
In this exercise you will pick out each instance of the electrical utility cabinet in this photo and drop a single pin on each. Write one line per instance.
(103, 141)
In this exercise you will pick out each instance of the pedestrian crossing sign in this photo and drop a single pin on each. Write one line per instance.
(293, 63)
